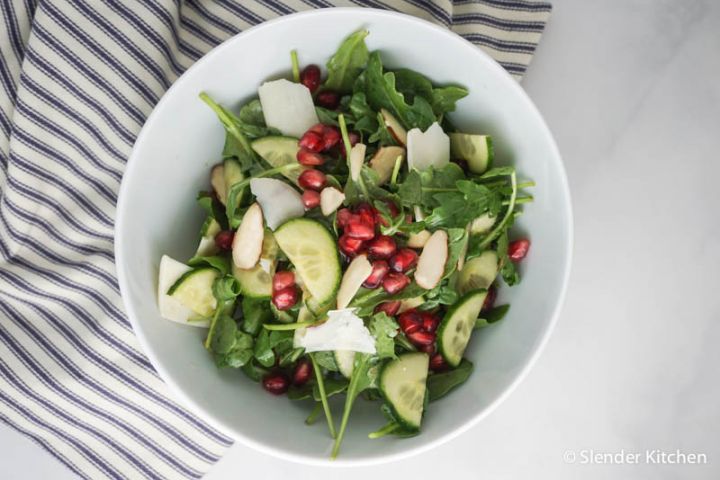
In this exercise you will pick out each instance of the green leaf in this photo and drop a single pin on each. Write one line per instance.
(381, 92)
(253, 370)
(219, 262)
(347, 63)
(225, 288)
(333, 386)
(494, 315)
(263, 351)
(445, 98)
(384, 329)
(443, 294)
(327, 117)
(290, 356)
(366, 300)
(421, 188)
(498, 172)
(255, 313)
(224, 339)
(440, 384)
(213, 208)
(457, 243)
(507, 267)
(326, 360)
(359, 381)
(365, 118)
(457, 209)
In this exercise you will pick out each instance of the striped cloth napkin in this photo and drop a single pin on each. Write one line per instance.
(78, 79)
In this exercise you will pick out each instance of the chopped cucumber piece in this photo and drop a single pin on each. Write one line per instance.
(233, 175)
(279, 151)
(478, 272)
(345, 360)
(403, 384)
(457, 326)
(311, 248)
(194, 290)
(256, 282)
(171, 308)
(476, 150)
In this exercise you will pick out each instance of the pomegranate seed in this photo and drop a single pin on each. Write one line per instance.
(302, 372)
(429, 322)
(285, 299)
(357, 228)
(382, 246)
(309, 158)
(367, 213)
(328, 99)
(283, 279)
(318, 128)
(429, 349)
(410, 322)
(342, 217)
(312, 179)
(224, 240)
(394, 282)
(275, 383)
(310, 77)
(331, 137)
(390, 308)
(310, 199)
(404, 260)
(379, 270)
(350, 246)
(437, 363)
(312, 141)
(420, 338)
(518, 249)
(489, 299)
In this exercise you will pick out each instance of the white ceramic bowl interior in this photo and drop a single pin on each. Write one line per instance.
(157, 215)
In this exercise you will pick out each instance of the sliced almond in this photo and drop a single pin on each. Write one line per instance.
(410, 303)
(330, 199)
(357, 159)
(217, 180)
(397, 131)
(418, 240)
(356, 273)
(431, 263)
(248, 241)
(384, 162)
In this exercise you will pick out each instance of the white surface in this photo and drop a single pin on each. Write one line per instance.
(171, 144)
(631, 91)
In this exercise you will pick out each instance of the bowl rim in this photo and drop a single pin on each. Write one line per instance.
(235, 434)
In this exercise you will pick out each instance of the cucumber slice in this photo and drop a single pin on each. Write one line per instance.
(256, 282)
(170, 308)
(457, 326)
(476, 150)
(478, 272)
(233, 175)
(403, 384)
(194, 290)
(279, 151)
(207, 246)
(311, 248)
(345, 360)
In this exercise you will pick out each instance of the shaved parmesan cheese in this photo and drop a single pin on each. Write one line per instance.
(343, 330)
(428, 149)
(288, 107)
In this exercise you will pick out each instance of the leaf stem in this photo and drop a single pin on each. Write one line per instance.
(228, 120)
(345, 138)
(385, 430)
(323, 396)
(519, 200)
(511, 207)
(287, 326)
(266, 173)
(396, 170)
(358, 370)
(314, 414)
(295, 66)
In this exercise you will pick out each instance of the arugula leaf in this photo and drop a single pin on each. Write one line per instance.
(457, 245)
(255, 313)
(421, 188)
(254, 371)
(263, 351)
(366, 300)
(494, 315)
(326, 360)
(291, 356)
(347, 63)
(381, 92)
(225, 288)
(327, 117)
(219, 262)
(213, 208)
(457, 209)
(384, 329)
(443, 294)
(323, 395)
(440, 384)
(359, 381)
(381, 135)
(444, 98)
(507, 267)
(365, 118)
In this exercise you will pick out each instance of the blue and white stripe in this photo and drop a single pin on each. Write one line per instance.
(77, 80)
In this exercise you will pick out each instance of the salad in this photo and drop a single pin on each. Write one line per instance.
(353, 241)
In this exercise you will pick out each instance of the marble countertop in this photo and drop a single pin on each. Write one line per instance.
(631, 89)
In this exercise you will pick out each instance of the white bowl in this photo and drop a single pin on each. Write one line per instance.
(181, 139)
